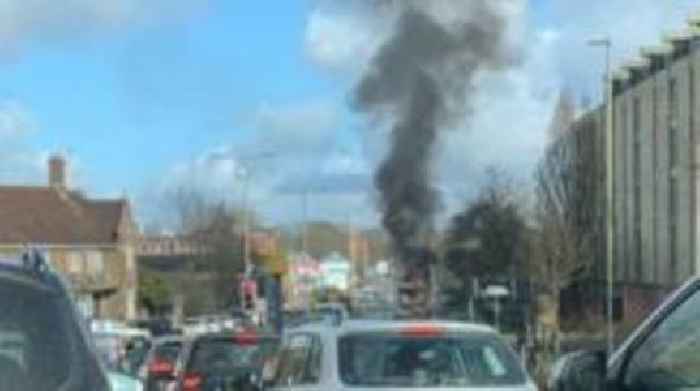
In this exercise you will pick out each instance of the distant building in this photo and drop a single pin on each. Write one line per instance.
(335, 272)
(264, 243)
(91, 242)
(303, 274)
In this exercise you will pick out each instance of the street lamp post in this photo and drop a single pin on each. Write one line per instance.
(244, 173)
(246, 226)
(606, 43)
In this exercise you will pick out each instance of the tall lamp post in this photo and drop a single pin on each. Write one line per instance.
(606, 43)
(244, 173)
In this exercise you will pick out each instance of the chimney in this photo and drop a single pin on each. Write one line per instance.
(57, 171)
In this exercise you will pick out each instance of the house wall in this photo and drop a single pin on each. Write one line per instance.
(109, 273)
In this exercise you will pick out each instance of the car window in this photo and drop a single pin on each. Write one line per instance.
(34, 343)
(136, 353)
(168, 351)
(300, 361)
(668, 358)
(108, 348)
(215, 355)
(387, 360)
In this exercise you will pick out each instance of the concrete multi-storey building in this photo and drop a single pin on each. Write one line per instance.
(656, 112)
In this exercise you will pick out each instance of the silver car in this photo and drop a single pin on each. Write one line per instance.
(396, 355)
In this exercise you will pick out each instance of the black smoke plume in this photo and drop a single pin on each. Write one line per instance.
(423, 77)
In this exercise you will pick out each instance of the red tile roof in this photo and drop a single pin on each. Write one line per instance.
(53, 216)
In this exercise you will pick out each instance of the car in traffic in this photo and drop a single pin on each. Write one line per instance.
(226, 361)
(44, 343)
(395, 355)
(158, 368)
(661, 354)
(112, 343)
(135, 355)
(123, 382)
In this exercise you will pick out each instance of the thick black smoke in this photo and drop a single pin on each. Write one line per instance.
(423, 77)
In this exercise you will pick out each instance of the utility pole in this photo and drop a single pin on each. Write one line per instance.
(606, 43)
(246, 226)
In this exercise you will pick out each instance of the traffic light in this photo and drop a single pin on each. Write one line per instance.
(249, 289)
(248, 302)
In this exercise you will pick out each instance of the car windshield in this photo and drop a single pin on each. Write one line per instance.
(35, 340)
(386, 360)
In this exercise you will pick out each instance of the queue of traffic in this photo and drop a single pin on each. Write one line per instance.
(337, 354)
(46, 346)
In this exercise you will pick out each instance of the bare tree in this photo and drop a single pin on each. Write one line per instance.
(566, 218)
(214, 228)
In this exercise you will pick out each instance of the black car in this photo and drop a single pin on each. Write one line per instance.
(661, 354)
(225, 361)
(44, 344)
(159, 363)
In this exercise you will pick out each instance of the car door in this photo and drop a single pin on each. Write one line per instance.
(665, 356)
(300, 363)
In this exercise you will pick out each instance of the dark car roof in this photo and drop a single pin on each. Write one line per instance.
(18, 272)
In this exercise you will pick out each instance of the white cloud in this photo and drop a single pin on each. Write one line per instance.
(23, 21)
(340, 41)
(18, 162)
(294, 148)
(508, 130)
(345, 164)
(307, 124)
(15, 120)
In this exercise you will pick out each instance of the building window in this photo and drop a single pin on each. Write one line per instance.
(95, 262)
(75, 262)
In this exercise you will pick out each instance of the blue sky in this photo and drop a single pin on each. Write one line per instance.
(130, 105)
(143, 95)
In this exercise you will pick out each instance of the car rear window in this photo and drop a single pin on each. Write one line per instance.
(453, 360)
(224, 354)
(35, 338)
(168, 351)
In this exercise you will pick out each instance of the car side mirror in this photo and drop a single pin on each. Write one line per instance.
(579, 371)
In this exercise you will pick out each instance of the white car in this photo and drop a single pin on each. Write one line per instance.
(122, 382)
(395, 355)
